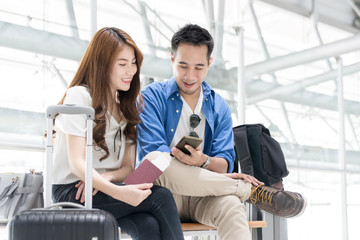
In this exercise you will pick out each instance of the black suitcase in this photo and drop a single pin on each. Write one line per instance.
(65, 221)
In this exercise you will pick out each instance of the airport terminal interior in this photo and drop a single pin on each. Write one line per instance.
(293, 66)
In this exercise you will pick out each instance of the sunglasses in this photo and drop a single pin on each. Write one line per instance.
(194, 122)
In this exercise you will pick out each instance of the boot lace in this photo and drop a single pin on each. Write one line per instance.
(261, 194)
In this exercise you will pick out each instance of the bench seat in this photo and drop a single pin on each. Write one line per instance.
(198, 229)
(202, 227)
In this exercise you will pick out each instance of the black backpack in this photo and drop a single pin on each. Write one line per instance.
(259, 154)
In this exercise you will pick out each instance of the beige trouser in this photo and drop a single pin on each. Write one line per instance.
(207, 197)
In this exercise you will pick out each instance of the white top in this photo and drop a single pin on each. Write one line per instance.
(76, 125)
(183, 127)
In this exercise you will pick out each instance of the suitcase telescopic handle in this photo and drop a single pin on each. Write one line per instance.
(70, 109)
(51, 112)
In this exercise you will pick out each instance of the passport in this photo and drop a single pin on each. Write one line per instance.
(148, 171)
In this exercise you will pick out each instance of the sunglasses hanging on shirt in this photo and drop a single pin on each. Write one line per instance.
(194, 122)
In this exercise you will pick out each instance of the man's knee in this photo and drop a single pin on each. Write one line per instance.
(229, 202)
(153, 155)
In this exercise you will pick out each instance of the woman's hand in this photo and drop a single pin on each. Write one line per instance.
(130, 194)
(245, 177)
(80, 194)
(133, 194)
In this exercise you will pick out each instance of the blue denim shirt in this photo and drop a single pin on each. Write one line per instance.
(161, 115)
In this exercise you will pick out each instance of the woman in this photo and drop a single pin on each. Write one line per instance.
(108, 80)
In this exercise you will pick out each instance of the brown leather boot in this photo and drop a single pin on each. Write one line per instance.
(278, 202)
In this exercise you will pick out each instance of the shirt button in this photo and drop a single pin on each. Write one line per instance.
(177, 111)
(177, 94)
(172, 99)
(172, 130)
(206, 99)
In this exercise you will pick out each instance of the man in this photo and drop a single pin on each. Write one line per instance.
(187, 105)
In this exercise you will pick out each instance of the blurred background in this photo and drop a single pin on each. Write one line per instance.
(296, 65)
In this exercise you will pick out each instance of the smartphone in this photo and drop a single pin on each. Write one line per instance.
(192, 141)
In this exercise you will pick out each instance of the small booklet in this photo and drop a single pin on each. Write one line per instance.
(148, 171)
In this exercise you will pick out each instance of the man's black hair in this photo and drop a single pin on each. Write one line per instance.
(195, 35)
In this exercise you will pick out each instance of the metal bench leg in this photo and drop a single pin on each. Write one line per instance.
(276, 228)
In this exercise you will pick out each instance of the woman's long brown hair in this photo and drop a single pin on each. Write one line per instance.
(93, 73)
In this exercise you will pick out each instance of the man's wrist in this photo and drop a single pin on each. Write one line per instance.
(206, 164)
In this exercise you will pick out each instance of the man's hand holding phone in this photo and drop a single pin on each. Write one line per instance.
(188, 151)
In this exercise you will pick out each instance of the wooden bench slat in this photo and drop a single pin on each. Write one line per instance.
(195, 227)
(202, 227)
(191, 227)
(257, 224)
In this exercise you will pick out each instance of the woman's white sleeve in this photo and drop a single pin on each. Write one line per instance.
(74, 124)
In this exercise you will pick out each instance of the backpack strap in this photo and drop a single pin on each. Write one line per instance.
(264, 129)
(242, 150)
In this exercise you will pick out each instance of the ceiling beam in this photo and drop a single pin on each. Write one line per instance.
(302, 84)
(42, 42)
(332, 49)
(72, 18)
(306, 98)
(47, 43)
(335, 13)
